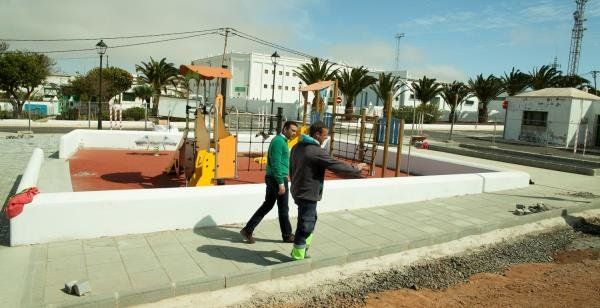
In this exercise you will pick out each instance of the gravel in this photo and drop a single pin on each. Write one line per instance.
(440, 273)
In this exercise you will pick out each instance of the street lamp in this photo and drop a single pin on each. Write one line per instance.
(274, 59)
(101, 49)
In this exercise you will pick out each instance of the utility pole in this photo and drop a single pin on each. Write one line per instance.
(576, 37)
(398, 37)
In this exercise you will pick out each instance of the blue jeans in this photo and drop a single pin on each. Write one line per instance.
(271, 196)
(307, 218)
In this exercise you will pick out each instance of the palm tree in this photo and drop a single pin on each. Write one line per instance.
(158, 74)
(545, 77)
(515, 82)
(353, 82)
(385, 84)
(426, 89)
(485, 89)
(144, 92)
(454, 94)
(571, 81)
(316, 71)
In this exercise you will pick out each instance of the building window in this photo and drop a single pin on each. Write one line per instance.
(273, 72)
(286, 88)
(278, 87)
(272, 87)
(469, 103)
(265, 86)
(280, 73)
(287, 73)
(293, 88)
(266, 72)
(412, 96)
(535, 118)
(294, 74)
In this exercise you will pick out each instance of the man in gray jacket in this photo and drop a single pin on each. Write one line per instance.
(308, 162)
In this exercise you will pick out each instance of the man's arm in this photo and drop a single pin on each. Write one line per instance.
(324, 160)
(275, 157)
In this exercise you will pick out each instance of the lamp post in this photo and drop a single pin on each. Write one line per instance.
(101, 49)
(274, 59)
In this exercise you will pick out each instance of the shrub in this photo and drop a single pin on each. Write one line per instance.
(134, 113)
(432, 113)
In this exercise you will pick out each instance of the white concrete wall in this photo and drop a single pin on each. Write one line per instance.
(558, 122)
(78, 215)
(493, 179)
(115, 139)
(32, 170)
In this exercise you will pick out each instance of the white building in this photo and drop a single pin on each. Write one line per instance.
(252, 87)
(557, 116)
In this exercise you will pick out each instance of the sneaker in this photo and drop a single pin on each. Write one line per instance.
(247, 235)
(288, 239)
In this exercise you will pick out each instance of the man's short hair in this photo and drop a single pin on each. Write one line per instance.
(287, 124)
(316, 127)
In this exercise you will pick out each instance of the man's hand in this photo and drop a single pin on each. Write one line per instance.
(281, 189)
(362, 167)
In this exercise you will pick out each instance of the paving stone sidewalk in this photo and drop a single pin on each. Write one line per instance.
(135, 269)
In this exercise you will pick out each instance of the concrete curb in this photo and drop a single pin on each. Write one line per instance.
(215, 283)
(518, 160)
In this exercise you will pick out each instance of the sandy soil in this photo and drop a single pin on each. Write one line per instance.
(572, 281)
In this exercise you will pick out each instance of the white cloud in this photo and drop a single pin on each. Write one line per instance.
(377, 55)
(77, 18)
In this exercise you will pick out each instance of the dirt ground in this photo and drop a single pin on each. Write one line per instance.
(573, 280)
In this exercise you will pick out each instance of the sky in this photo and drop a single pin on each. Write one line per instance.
(448, 40)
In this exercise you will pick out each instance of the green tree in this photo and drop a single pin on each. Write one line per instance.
(544, 77)
(454, 94)
(571, 81)
(20, 73)
(144, 92)
(158, 74)
(353, 82)
(114, 81)
(386, 83)
(426, 89)
(3, 47)
(316, 71)
(485, 89)
(515, 82)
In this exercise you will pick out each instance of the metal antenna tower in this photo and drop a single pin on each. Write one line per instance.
(576, 37)
(398, 37)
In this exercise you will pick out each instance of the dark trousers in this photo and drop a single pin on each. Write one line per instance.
(307, 218)
(271, 196)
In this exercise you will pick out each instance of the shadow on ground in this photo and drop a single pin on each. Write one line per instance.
(580, 224)
(229, 234)
(242, 255)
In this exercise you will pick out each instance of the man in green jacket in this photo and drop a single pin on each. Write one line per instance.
(308, 163)
(276, 179)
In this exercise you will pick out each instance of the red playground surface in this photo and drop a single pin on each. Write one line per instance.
(101, 169)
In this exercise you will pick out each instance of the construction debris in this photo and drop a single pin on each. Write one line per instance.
(525, 210)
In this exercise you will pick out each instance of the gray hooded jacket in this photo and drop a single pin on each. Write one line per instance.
(308, 162)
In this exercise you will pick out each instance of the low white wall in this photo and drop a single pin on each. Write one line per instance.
(494, 179)
(32, 170)
(115, 139)
(79, 215)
